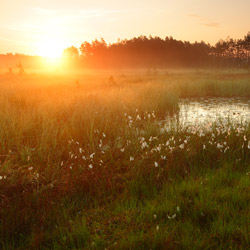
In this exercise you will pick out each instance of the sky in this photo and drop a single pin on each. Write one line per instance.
(45, 27)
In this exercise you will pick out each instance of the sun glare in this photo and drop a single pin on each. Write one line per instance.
(51, 48)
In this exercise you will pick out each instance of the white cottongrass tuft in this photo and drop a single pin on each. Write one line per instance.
(92, 156)
(172, 217)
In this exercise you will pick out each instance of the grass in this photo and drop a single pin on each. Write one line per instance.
(89, 166)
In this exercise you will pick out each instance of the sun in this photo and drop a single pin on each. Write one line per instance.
(51, 48)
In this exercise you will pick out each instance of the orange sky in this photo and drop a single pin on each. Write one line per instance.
(46, 27)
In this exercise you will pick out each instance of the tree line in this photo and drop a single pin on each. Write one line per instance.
(149, 52)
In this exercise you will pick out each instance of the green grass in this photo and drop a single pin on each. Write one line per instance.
(90, 167)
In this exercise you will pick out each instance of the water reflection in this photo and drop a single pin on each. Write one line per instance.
(203, 111)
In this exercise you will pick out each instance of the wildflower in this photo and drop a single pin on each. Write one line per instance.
(156, 164)
(122, 150)
(90, 166)
(158, 148)
(157, 227)
(185, 141)
(248, 146)
(163, 157)
(128, 142)
(172, 217)
(84, 158)
(144, 145)
(202, 134)
(1, 177)
(61, 163)
(103, 134)
(204, 147)
(181, 146)
(138, 117)
(178, 209)
(131, 158)
(155, 216)
(92, 155)
(219, 146)
(30, 168)
(28, 159)
(142, 139)
(245, 138)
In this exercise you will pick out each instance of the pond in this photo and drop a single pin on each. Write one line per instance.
(205, 111)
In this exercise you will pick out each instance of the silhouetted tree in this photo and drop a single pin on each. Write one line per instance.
(71, 52)
(21, 69)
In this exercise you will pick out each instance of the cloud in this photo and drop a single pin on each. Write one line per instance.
(204, 21)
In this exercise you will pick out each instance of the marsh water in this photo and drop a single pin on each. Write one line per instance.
(198, 111)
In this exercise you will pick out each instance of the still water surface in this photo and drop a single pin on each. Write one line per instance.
(202, 111)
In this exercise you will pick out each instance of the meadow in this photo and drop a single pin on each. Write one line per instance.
(86, 163)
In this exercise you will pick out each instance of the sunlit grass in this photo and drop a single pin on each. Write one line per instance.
(87, 163)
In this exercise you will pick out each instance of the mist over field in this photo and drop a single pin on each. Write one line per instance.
(141, 52)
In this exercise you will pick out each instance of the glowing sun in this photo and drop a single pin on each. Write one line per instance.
(51, 48)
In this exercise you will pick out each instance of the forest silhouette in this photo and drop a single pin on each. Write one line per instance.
(147, 52)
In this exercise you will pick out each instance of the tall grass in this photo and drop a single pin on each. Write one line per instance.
(222, 84)
(91, 166)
